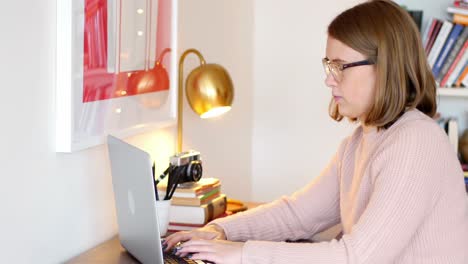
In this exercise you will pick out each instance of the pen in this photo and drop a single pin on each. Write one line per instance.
(164, 174)
(153, 168)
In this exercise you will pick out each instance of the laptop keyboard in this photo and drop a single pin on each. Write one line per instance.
(173, 259)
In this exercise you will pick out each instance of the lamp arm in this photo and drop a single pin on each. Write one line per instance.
(161, 56)
(180, 93)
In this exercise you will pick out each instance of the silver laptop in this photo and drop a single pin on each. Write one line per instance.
(135, 198)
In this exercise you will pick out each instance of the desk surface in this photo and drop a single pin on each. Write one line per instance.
(111, 252)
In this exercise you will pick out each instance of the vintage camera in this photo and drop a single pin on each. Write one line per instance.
(184, 169)
(187, 166)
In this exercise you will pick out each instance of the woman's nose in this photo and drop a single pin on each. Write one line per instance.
(330, 80)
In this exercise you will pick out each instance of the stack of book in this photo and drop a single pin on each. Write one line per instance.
(445, 43)
(195, 204)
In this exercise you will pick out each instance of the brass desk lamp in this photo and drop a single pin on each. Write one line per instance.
(209, 91)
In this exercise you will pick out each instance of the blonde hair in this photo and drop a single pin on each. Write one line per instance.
(387, 35)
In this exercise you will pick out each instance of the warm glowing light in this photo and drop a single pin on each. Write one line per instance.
(215, 112)
(118, 110)
(140, 33)
(123, 92)
(140, 11)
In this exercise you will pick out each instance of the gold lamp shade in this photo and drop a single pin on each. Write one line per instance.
(209, 90)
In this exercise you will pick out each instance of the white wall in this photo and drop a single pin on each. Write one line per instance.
(53, 206)
(222, 31)
(293, 136)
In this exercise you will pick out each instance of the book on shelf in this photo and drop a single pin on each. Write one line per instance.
(198, 214)
(453, 54)
(465, 79)
(460, 19)
(462, 76)
(445, 44)
(192, 190)
(439, 42)
(433, 35)
(428, 30)
(447, 47)
(457, 10)
(456, 67)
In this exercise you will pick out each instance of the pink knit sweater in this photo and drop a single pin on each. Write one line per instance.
(398, 193)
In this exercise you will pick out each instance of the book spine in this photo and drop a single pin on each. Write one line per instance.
(458, 68)
(203, 186)
(457, 10)
(429, 32)
(465, 81)
(198, 214)
(453, 54)
(195, 201)
(433, 36)
(439, 42)
(444, 82)
(446, 49)
(460, 19)
(459, 82)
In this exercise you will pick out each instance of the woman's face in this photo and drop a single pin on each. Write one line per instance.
(354, 93)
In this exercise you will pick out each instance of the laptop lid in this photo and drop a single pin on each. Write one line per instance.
(135, 198)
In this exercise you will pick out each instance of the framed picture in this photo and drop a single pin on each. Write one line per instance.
(116, 69)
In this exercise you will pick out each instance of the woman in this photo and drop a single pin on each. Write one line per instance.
(395, 185)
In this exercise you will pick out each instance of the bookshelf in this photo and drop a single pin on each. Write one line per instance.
(453, 92)
(452, 102)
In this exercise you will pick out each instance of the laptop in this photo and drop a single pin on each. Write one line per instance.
(134, 193)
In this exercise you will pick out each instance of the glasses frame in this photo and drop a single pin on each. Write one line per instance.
(341, 67)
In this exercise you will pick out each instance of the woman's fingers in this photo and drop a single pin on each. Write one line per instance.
(208, 232)
(218, 251)
(173, 239)
(197, 248)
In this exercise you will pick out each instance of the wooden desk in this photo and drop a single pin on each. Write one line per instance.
(111, 252)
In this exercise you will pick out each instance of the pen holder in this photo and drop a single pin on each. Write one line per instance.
(162, 213)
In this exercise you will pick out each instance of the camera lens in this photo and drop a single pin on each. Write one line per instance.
(194, 171)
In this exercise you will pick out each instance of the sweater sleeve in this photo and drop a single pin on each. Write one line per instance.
(300, 216)
(406, 176)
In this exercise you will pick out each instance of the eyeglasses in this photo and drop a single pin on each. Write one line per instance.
(336, 69)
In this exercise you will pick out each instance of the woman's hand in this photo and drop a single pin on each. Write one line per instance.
(208, 232)
(217, 251)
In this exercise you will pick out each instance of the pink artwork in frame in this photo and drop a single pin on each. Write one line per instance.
(122, 69)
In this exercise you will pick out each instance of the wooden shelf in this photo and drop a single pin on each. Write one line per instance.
(453, 92)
